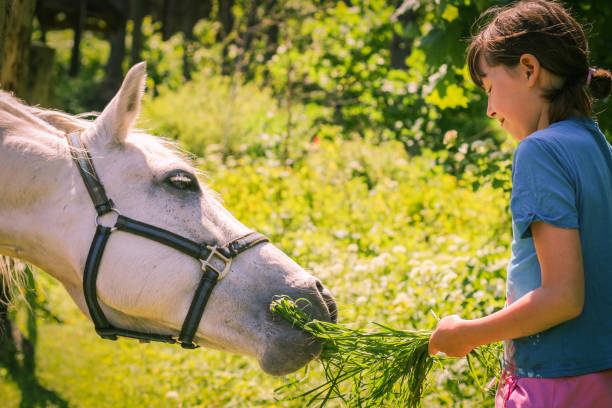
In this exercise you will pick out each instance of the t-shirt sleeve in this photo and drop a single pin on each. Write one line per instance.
(542, 188)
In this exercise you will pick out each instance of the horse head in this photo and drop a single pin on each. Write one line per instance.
(47, 218)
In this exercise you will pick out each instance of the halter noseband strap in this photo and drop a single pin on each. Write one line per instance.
(211, 257)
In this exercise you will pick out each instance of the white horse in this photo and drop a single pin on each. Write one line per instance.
(47, 219)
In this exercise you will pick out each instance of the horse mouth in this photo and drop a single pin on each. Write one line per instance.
(286, 354)
(288, 348)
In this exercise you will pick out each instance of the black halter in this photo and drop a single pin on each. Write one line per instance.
(206, 254)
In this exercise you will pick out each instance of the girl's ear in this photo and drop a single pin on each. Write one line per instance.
(530, 68)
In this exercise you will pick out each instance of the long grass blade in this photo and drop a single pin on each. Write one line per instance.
(377, 367)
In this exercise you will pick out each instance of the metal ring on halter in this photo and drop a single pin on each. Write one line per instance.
(112, 210)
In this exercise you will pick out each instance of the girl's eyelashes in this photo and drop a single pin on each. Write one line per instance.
(182, 180)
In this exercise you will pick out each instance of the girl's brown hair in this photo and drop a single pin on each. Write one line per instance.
(546, 30)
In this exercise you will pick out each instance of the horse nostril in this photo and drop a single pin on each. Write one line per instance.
(332, 307)
(328, 300)
(319, 286)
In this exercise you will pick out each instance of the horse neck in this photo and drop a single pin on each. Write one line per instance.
(35, 177)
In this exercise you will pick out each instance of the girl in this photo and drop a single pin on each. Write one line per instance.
(532, 60)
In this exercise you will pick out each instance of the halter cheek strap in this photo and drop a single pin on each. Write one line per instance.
(215, 261)
(82, 158)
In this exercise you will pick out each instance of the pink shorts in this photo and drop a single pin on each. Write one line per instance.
(592, 390)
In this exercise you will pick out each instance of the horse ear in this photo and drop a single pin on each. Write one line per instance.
(115, 121)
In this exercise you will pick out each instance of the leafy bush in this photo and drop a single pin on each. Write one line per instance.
(392, 237)
(213, 115)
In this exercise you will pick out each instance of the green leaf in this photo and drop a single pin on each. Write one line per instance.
(450, 12)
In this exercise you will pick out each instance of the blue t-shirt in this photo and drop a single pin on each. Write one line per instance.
(561, 175)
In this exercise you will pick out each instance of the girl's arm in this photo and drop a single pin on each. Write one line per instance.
(560, 298)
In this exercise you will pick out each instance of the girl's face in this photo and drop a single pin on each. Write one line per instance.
(515, 97)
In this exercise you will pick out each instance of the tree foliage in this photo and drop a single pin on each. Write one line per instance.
(374, 69)
(339, 59)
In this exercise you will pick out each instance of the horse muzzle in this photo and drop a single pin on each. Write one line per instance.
(289, 348)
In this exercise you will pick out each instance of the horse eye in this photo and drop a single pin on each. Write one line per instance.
(182, 181)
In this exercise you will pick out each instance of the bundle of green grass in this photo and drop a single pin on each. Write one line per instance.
(367, 368)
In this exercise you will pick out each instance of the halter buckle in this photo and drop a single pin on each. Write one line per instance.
(224, 259)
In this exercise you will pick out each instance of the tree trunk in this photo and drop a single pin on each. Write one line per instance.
(4, 15)
(271, 32)
(79, 25)
(39, 90)
(245, 58)
(138, 12)
(166, 19)
(114, 72)
(116, 39)
(16, 24)
(190, 18)
(401, 46)
(226, 18)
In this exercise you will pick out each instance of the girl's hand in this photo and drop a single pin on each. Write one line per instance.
(450, 337)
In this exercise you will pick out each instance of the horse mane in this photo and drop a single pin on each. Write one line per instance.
(5, 271)
(11, 279)
(14, 114)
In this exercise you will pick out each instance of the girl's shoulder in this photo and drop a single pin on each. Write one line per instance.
(574, 148)
(572, 134)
